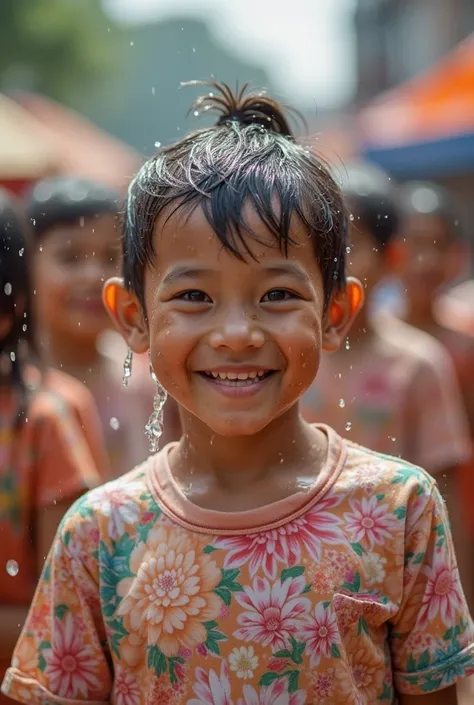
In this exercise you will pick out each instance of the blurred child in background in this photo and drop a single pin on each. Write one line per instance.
(390, 387)
(432, 249)
(76, 228)
(46, 459)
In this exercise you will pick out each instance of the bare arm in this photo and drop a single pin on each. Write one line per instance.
(442, 697)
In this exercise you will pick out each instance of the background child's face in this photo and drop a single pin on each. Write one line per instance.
(427, 245)
(210, 313)
(70, 267)
(365, 261)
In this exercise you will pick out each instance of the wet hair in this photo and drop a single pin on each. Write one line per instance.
(427, 199)
(15, 297)
(65, 200)
(249, 157)
(372, 202)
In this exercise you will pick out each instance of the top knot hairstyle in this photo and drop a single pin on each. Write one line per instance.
(250, 157)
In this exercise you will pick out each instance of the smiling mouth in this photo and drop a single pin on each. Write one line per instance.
(237, 379)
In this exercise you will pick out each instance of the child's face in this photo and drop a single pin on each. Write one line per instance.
(427, 246)
(71, 264)
(365, 261)
(212, 316)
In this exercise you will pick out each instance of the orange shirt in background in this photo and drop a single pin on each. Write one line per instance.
(43, 460)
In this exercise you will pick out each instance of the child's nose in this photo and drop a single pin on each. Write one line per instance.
(237, 331)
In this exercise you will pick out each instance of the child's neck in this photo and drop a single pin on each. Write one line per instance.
(72, 356)
(271, 461)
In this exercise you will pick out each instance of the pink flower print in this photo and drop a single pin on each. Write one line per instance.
(267, 549)
(322, 685)
(369, 522)
(272, 612)
(274, 694)
(126, 688)
(319, 631)
(277, 664)
(71, 667)
(442, 594)
(211, 689)
(119, 505)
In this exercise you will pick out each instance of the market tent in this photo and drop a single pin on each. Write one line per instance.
(25, 152)
(425, 126)
(78, 146)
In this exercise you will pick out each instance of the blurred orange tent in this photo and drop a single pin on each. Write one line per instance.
(425, 126)
(69, 144)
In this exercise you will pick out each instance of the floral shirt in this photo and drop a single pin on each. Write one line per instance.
(335, 595)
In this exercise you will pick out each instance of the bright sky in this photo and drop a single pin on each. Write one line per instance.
(307, 46)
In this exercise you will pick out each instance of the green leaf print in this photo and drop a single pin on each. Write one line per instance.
(227, 584)
(60, 611)
(284, 653)
(47, 573)
(297, 653)
(156, 660)
(335, 651)
(293, 572)
(354, 586)
(293, 681)
(67, 538)
(118, 632)
(209, 549)
(400, 512)
(418, 559)
(424, 661)
(357, 548)
(171, 667)
(387, 693)
(41, 659)
(307, 588)
(213, 638)
(268, 678)
(411, 664)
(362, 627)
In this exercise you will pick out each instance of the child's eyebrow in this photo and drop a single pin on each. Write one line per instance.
(183, 271)
(288, 268)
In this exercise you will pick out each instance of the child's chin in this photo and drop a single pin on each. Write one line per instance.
(235, 426)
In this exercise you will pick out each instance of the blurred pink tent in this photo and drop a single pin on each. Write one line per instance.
(77, 146)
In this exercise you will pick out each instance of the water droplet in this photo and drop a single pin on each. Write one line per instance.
(12, 568)
(342, 403)
(348, 250)
(157, 145)
(153, 90)
(351, 216)
(81, 221)
(348, 426)
(21, 252)
(194, 50)
(24, 327)
(348, 344)
(392, 438)
(12, 356)
(131, 44)
(196, 113)
(41, 248)
(114, 423)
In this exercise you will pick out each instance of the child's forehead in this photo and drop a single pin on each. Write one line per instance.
(189, 235)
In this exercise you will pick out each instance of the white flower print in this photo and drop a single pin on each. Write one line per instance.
(243, 661)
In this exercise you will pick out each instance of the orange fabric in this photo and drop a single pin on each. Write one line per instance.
(46, 460)
(437, 104)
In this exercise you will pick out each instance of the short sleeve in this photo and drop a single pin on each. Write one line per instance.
(64, 465)
(61, 656)
(432, 637)
(437, 423)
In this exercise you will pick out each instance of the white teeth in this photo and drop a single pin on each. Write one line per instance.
(236, 375)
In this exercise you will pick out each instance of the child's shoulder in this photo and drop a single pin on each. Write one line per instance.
(114, 504)
(370, 474)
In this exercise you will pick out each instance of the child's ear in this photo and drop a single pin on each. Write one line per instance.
(343, 309)
(127, 314)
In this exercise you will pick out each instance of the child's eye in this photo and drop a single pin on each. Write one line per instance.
(194, 296)
(278, 295)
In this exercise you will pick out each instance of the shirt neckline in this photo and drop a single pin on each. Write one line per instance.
(180, 509)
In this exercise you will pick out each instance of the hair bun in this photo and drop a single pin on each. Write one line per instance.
(243, 106)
